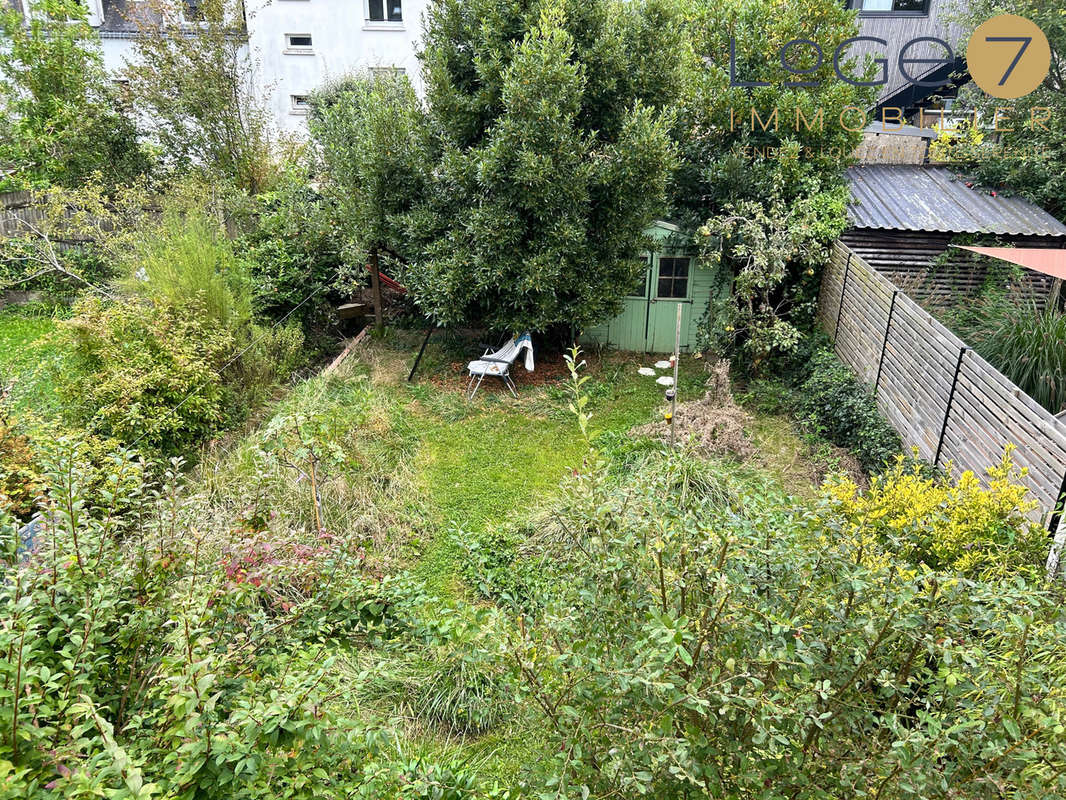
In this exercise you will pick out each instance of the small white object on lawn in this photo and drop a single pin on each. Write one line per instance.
(646, 371)
(664, 380)
(663, 365)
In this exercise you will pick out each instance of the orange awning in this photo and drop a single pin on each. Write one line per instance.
(1047, 260)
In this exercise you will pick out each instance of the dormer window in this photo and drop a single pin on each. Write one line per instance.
(902, 7)
(384, 11)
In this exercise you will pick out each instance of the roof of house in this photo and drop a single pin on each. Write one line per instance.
(913, 198)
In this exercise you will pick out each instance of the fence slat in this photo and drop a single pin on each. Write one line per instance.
(952, 407)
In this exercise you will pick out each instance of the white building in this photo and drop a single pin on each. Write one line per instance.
(296, 45)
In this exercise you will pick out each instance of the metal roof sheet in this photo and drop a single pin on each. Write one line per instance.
(911, 198)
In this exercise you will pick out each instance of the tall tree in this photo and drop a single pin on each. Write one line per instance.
(552, 150)
(60, 120)
(794, 145)
(197, 83)
(1029, 158)
(370, 134)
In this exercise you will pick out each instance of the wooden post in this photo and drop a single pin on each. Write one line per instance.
(677, 359)
(375, 290)
(1055, 297)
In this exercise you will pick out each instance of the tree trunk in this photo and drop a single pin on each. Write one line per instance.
(375, 290)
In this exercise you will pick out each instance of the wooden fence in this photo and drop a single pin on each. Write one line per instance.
(940, 395)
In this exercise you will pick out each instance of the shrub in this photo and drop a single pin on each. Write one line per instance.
(132, 669)
(697, 647)
(147, 374)
(835, 405)
(294, 249)
(944, 523)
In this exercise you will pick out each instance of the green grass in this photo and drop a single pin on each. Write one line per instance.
(457, 466)
(27, 357)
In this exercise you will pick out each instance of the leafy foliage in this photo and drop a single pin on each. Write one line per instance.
(706, 642)
(545, 123)
(775, 251)
(176, 356)
(369, 130)
(837, 407)
(60, 120)
(729, 156)
(1024, 157)
(973, 528)
(1024, 342)
(200, 91)
(294, 249)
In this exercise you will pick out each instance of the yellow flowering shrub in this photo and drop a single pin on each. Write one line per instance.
(979, 529)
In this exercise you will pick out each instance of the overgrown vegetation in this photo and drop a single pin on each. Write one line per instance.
(60, 118)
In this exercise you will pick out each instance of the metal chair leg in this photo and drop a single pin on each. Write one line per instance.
(476, 387)
(510, 385)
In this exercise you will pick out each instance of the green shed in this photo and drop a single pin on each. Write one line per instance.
(649, 316)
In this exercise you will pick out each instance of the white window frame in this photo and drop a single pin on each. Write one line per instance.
(298, 49)
(381, 24)
(301, 109)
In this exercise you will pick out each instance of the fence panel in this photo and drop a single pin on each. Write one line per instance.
(940, 395)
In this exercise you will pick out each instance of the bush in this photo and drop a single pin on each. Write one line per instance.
(294, 249)
(702, 648)
(835, 405)
(932, 519)
(176, 356)
(1027, 345)
(147, 374)
(134, 669)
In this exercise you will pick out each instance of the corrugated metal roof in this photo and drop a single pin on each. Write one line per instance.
(910, 198)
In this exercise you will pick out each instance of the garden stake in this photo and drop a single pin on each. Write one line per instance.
(677, 357)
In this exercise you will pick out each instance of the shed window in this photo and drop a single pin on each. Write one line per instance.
(673, 277)
(892, 6)
(299, 104)
(385, 10)
(640, 286)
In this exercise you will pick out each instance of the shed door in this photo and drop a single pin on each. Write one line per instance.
(672, 287)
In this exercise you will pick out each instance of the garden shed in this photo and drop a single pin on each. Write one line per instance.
(672, 276)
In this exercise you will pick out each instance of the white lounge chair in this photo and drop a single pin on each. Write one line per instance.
(498, 364)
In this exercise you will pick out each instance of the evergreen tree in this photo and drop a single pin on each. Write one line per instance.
(552, 153)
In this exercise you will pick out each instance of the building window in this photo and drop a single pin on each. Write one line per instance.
(387, 72)
(891, 6)
(673, 277)
(298, 43)
(299, 104)
(640, 286)
(384, 11)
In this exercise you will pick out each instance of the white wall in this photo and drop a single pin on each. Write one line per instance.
(343, 40)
